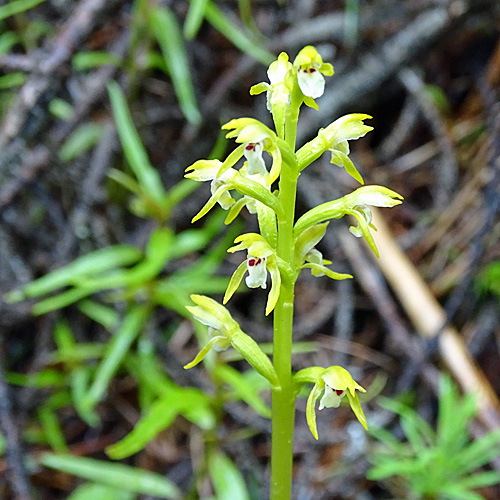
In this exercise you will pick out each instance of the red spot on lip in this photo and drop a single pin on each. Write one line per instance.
(312, 70)
(254, 262)
(339, 392)
(250, 147)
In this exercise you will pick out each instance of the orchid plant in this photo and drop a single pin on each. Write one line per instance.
(284, 246)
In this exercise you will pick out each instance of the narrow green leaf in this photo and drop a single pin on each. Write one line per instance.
(7, 41)
(158, 418)
(246, 386)
(84, 137)
(92, 263)
(136, 155)
(236, 35)
(168, 34)
(116, 350)
(79, 382)
(87, 60)
(16, 7)
(94, 491)
(104, 315)
(12, 80)
(158, 252)
(59, 301)
(226, 478)
(194, 18)
(52, 429)
(61, 109)
(115, 475)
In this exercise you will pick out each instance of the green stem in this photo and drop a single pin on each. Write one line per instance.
(283, 399)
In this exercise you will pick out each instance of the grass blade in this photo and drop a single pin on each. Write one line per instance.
(116, 475)
(92, 263)
(236, 36)
(132, 146)
(17, 7)
(117, 349)
(168, 34)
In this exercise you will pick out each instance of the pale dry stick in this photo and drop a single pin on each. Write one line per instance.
(429, 319)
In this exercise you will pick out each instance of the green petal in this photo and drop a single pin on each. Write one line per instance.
(319, 270)
(311, 407)
(233, 157)
(365, 230)
(211, 202)
(326, 69)
(274, 293)
(276, 166)
(244, 241)
(259, 88)
(356, 408)
(338, 377)
(201, 355)
(235, 210)
(310, 102)
(342, 160)
(235, 281)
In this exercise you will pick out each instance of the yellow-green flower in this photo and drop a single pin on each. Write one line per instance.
(221, 325)
(331, 385)
(255, 138)
(356, 204)
(278, 91)
(306, 256)
(279, 88)
(261, 259)
(359, 202)
(310, 74)
(225, 331)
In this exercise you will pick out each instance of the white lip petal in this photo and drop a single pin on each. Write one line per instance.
(253, 154)
(257, 272)
(331, 399)
(311, 82)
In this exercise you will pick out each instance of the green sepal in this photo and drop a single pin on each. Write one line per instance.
(377, 196)
(318, 388)
(342, 160)
(323, 270)
(310, 103)
(356, 408)
(235, 210)
(206, 349)
(259, 88)
(235, 281)
(274, 293)
(365, 230)
(231, 160)
(211, 202)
